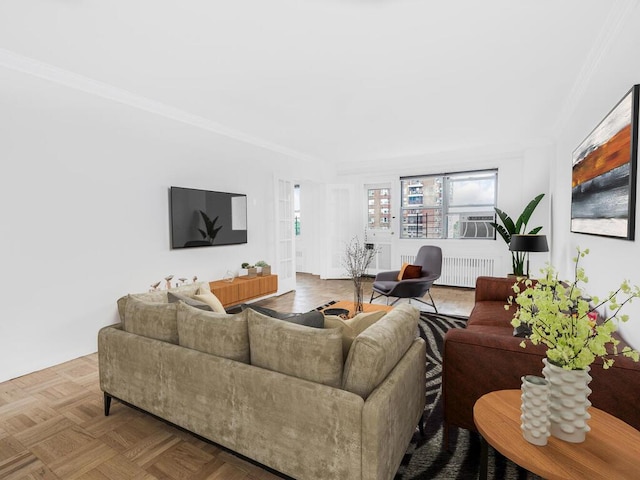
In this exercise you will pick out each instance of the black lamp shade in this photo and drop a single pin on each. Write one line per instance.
(528, 243)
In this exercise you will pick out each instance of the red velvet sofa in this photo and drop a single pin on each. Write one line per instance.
(485, 356)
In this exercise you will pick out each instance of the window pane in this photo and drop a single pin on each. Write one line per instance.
(296, 209)
(379, 216)
(449, 205)
(475, 190)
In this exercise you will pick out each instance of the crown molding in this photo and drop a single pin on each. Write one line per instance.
(36, 68)
(616, 19)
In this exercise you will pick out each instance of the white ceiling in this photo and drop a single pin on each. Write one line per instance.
(339, 80)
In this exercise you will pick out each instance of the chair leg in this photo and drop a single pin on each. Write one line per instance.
(373, 298)
(432, 304)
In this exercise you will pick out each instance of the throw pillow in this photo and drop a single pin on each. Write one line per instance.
(314, 318)
(219, 334)
(364, 320)
(174, 297)
(153, 320)
(409, 271)
(299, 351)
(351, 328)
(210, 299)
(159, 296)
(377, 350)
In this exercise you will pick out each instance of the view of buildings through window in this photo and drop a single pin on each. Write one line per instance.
(296, 209)
(455, 205)
(379, 208)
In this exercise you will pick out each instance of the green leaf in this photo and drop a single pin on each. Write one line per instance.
(502, 231)
(507, 222)
(524, 217)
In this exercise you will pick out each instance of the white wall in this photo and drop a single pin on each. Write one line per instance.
(523, 173)
(85, 219)
(610, 260)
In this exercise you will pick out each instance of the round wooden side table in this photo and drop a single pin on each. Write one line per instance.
(611, 449)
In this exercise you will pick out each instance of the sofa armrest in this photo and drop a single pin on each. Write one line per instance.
(387, 429)
(481, 360)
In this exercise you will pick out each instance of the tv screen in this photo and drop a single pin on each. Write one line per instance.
(202, 218)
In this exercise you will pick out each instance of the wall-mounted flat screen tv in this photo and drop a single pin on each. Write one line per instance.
(202, 218)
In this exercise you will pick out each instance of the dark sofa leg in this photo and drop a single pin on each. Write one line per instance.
(445, 437)
(421, 425)
(107, 404)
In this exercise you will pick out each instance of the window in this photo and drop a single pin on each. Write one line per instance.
(378, 208)
(453, 205)
(296, 209)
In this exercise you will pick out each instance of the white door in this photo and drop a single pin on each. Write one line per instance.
(340, 226)
(381, 225)
(285, 236)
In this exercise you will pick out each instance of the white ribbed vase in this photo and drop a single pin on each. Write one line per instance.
(535, 410)
(568, 402)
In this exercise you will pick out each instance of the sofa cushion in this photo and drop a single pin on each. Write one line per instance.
(151, 319)
(351, 328)
(175, 297)
(309, 353)
(205, 295)
(378, 349)
(159, 296)
(314, 318)
(219, 334)
(491, 313)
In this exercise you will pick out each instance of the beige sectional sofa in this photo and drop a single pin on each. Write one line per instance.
(279, 393)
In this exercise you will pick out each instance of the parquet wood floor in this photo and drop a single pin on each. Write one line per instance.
(52, 423)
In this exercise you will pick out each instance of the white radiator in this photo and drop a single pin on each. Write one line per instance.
(460, 271)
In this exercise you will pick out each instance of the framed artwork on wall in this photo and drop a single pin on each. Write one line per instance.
(603, 179)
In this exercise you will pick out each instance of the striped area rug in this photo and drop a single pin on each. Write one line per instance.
(425, 457)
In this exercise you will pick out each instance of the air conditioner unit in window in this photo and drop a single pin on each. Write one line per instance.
(476, 226)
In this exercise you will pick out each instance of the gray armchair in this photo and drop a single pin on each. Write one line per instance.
(386, 284)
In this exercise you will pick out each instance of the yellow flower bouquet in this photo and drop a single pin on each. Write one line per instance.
(562, 316)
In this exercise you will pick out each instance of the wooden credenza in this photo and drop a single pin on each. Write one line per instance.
(243, 288)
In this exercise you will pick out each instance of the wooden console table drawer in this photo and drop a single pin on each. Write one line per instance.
(243, 288)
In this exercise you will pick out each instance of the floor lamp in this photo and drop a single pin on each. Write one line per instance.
(528, 243)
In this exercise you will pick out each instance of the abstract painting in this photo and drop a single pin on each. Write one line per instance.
(604, 174)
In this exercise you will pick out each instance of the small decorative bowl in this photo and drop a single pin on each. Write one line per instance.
(339, 312)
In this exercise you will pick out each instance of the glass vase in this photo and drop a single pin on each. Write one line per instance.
(357, 298)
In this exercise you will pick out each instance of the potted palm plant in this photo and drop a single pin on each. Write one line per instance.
(509, 228)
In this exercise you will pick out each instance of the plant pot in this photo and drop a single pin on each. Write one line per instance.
(568, 402)
(252, 272)
(265, 271)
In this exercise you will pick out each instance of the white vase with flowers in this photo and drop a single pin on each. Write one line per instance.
(562, 316)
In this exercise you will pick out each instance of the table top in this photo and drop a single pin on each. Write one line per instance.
(611, 449)
(366, 307)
